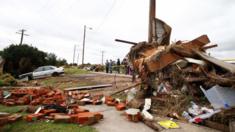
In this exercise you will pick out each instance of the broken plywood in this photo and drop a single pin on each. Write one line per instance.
(220, 63)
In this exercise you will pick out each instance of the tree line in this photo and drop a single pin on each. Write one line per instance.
(24, 58)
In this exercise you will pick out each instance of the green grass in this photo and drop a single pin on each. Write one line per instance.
(39, 126)
(54, 82)
(49, 81)
(75, 70)
(79, 84)
(43, 126)
(11, 109)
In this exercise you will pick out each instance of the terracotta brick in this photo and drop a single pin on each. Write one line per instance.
(108, 99)
(23, 100)
(80, 110)
(97, 97)
(8, 103)
(134, 118)
(62, 118)
(121, 106)
(1, 94)
(73, 106)
(111, 103)
(48, 102)
(36, 101)
(98, 116)
(73, 118)
(96, 102)
(48, 111)
(86, 118)
(33, 117)
(54, 114)
(3, 121)
(50, 94)
(14, 117)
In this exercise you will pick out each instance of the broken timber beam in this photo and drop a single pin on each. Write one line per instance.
(217, 126)
(129, 87)
(164, 58)
(220, 63)
(210, 46)
(89, 87)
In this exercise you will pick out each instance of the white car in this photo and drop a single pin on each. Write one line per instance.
(43, 71)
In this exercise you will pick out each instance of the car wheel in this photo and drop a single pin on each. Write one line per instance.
(55, 74)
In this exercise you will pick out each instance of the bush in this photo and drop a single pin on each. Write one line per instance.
(7, 80)
(23, 58)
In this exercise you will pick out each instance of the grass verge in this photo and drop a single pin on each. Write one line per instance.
(75, 70)
(42, 126)
(11, 109)
(39, 126)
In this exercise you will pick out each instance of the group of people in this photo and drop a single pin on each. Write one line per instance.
(110, 64)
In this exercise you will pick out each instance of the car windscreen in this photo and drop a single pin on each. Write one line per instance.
(48, 68)
(39, 69)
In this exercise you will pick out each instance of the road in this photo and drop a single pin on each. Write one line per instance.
(115, 121)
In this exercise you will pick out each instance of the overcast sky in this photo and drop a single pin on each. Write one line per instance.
(57, 25)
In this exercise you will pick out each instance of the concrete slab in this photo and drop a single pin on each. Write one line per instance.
(115, 121)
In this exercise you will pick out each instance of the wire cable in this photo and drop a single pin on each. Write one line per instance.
(106, 15)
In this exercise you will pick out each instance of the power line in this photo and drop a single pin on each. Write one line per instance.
(106, 15)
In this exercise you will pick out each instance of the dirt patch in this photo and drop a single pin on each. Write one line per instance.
(68, 81)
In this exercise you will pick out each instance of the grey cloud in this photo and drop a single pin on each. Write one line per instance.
(56, 25)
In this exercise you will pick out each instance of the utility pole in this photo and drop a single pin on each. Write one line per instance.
(78, 56)
(74, 51)
(84, 41)
(102, 60)
(152, 25)
(22, 32)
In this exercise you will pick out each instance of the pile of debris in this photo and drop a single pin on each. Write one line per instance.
(6, 118)
(7, 80)
(83, 98)
(173, 73)
(66, 114)
(47, 104)
(182, 62)
(32, 96)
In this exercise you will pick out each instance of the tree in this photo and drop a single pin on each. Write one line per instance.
(51, 59)
(61, 62)
(23, 58)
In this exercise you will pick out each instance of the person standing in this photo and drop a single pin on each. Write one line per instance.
(124, 62)
(118, 65)
(107, 66)
(110, 66)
